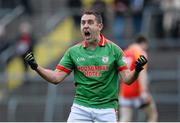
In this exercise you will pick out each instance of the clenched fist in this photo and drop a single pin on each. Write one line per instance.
(141, 61)
(29, 58)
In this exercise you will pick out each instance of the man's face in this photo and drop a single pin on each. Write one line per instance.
(90, 28)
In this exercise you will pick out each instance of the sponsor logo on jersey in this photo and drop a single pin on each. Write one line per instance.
(92, 70)
(105, 59)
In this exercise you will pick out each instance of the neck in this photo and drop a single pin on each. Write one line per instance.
(93, 44)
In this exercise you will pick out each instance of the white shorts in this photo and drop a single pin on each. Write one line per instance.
(85, 114)
(136, 102)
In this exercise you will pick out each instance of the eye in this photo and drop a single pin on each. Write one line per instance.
(82, 22)
(90, 22)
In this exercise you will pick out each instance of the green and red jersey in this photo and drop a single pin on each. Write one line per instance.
(95, 73)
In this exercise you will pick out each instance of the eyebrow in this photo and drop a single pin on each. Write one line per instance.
(87, 20)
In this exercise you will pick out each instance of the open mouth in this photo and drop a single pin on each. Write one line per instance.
(87, 33)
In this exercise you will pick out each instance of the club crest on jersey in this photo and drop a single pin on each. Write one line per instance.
(105, 59)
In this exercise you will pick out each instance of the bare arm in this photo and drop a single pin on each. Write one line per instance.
(51, 76)
(129, 76)
(143, 79)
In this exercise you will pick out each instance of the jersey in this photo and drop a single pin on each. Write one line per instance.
(95, 73)
(132, 53)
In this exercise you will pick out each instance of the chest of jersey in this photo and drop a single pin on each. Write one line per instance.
(93, 62)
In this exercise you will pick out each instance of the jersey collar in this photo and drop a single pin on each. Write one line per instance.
(101, 43)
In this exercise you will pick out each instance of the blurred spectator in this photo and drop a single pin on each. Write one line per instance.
(75, 8)
(121, 9)
(26, 41)
(137, 10)
(101, 7)
(171, 17)
(156, 15)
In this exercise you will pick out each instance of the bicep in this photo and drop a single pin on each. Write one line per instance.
(60, 75)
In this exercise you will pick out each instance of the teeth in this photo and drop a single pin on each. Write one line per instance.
(86, 33)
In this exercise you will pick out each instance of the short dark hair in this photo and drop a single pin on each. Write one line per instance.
(95, 13)
(141, 39)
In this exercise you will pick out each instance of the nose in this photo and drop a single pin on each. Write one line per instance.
(86, 25)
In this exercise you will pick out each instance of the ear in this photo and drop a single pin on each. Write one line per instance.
(100, 26)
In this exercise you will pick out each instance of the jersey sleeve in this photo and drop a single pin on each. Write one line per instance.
(66, 63)
(119, 55)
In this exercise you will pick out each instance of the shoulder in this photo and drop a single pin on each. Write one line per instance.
(75, 47)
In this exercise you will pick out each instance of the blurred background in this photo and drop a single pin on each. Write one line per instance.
(49, 27)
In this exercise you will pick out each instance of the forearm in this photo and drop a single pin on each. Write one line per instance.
(133, 75)
(50, 75)
(54, 77)
(129, 76)
(143, 78)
